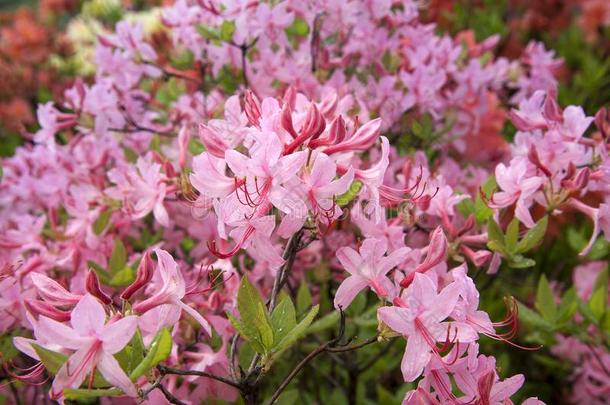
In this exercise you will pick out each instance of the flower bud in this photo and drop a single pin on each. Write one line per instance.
(37, 307)
(252, 108)
(92, 285)
(143, 276)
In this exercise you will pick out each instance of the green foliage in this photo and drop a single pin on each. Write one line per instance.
(269, 335)
(159, 350)
(509, 245)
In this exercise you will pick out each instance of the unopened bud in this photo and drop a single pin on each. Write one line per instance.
(143, 276)
(92, 285)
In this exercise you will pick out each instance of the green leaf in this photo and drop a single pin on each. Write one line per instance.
(101, 222)
(512, 234)
(208, 32)
(303, 298)
(249, 334)
(533, 236)
(100, 271)
(597, 303)
(159, 350)
(118, 258)
(299, 28)
(495, 236)
(253, 312)
(568, 306)
(297, 332)
(481, 211)
(283, 319)
(123, 278)
(51, 360)
(88, 394)
(326, 322)
(350, 194)
(533, 319)
(520, 262)
(545, 302)
(226, 30)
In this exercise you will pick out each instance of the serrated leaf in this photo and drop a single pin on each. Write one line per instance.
(118, 258)
(159, 350)
(545, 302)
(88, 394)
(283, 319)
(512, 235)
(100, 224)
(533, 236)
(297, 332)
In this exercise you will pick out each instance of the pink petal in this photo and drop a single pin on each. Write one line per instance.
(114, 374)
(398, 319)
(416, 357)
(117, 334)
(88, 316)
(350, 260)
(502, 390)
(347, 291)
(56, 332)
(192, 312)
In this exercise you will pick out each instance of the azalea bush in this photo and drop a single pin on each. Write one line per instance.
(306, 202)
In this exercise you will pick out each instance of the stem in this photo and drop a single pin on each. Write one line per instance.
(168, 370)
(244, 50)
(169, 396)
(289, 255)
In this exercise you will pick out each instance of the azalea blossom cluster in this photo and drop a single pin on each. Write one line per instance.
(134, 222)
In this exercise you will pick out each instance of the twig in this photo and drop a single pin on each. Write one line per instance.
(175, 371)
(289, 255)
(325, 347)
(169, 396)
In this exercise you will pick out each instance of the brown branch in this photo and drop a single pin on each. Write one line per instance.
(169, 396)
(168, 370)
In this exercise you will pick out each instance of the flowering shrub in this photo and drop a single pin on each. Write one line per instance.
(276, 201)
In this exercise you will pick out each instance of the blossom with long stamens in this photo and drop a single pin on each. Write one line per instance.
(420, 315)
(172, 290)
(94, 341)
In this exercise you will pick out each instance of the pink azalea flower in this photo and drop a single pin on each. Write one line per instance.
(517, 186)
(422, 320)
(172, 290)
(94, 341)
(368, 268)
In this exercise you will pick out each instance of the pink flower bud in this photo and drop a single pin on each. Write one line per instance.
(37, 307)
(183, 144)
(286, 120)
(602, 121)
(290, 97)
(252, 108)
(143, 276)
(437, 250)
(533, 157)
(213, 142)
(53, 292)
(92, 285)
(551, 110)
(362, 139)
